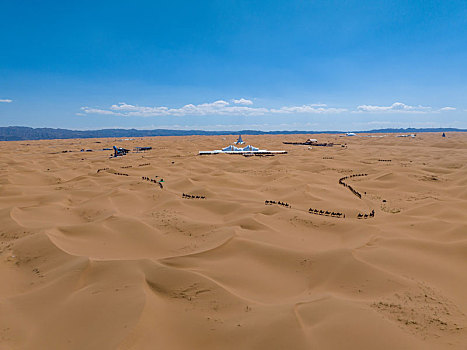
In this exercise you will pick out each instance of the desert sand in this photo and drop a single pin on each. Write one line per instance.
(94, 260)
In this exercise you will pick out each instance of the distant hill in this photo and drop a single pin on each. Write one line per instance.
(18, 133)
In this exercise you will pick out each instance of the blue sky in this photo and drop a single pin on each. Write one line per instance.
(228, 65)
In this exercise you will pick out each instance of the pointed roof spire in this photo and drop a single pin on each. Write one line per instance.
(239, 141)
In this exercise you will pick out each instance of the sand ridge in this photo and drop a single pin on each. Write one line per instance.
(99, 253)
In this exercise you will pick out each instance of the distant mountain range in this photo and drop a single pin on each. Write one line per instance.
(18, 133)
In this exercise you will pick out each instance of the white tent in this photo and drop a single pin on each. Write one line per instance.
(245, 150)
(231, 149)
(250, 148)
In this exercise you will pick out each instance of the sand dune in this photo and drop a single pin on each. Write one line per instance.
(93, 259)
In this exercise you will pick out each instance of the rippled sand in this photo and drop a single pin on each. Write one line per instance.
(95, 260)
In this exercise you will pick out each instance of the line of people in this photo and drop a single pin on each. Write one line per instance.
(384, 160)
(102, 169)
(127, 166)
(351, 176)
(144, 164)
(366, 216)
(121, 174)
(353, 190)
(185, 195)
(154, 181)
(279, 203)
(326, 213)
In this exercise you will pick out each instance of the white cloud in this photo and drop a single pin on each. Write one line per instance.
(7, 100)
(397, 107)
(219, 107)
(89, 110)
(243, 107)
(313, 108)
(243, 101)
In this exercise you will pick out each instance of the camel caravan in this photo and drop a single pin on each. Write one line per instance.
(121, 174)
(354, 191)
(366, 216)
(153, 181)
(287, 205)
(188, 196)
(326, 213)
